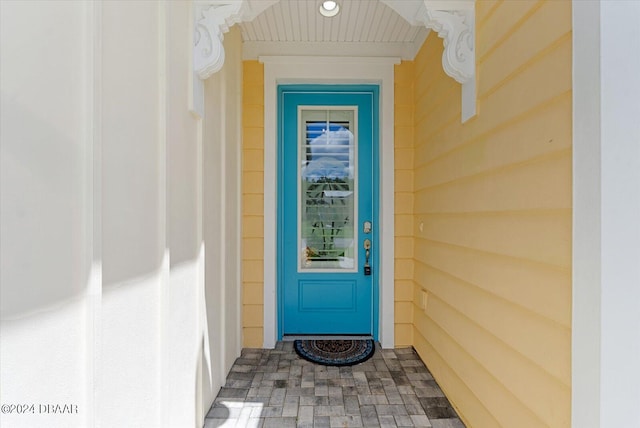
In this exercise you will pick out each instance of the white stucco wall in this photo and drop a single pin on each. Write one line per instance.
(45, 210)
(134, 222)
(221, 210)
(102, 258)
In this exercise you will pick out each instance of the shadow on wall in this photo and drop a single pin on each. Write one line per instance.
(204, 377)
(43, 228)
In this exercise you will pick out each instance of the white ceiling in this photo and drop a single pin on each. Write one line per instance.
(362, 28)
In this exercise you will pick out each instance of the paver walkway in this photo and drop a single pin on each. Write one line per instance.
(276, 388)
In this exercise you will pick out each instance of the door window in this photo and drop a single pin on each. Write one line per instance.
(327, 196)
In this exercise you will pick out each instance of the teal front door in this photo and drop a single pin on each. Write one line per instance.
(327, 204)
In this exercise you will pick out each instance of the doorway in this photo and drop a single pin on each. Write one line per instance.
(328, 209)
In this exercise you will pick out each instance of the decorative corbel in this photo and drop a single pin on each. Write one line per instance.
(213, 18)
(456, 29)
(454, 22)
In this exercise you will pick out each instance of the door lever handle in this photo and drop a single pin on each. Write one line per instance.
(367, 253)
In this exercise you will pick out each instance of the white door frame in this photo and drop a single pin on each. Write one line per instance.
(302, 69)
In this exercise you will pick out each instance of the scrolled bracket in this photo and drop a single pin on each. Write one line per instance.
(212, 20)
(456, 30)
(454, 22)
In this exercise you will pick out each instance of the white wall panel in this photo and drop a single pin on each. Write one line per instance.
(221, 211)
(44, 211)
(102, 193)
(606, 235)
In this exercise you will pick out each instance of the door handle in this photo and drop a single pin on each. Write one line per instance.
(367, 253)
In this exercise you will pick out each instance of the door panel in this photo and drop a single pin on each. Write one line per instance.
(326, 178)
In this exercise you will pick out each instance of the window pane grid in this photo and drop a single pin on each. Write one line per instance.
(327, 198)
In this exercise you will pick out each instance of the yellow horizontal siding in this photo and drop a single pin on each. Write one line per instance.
(252, 337)
(404, 291)
(404, 159)
(403, 245)
(449, 379)
(543, 183)
(252, 204)
(543, 238)
(403, 138)
(535, 88)
(403, 334)
(538, 133)
(252, 317)
(253, 160)
(252, 137)
(489, 312)
(253, 293)
(492, 220)
(253, 248)
(253, 271)
(538, 288)
(519, 50)
(404, 225)
(478, 359)
(504, 18)
(430, 54)
(253, 226)
(435, 108)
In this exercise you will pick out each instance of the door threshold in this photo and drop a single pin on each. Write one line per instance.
(292, 337)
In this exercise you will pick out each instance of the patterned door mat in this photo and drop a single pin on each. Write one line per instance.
(335, 352)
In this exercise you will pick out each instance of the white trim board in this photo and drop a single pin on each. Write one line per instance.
(406, 50)
(606, 208)
(356, 70)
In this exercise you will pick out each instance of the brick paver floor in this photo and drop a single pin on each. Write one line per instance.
(276, 388)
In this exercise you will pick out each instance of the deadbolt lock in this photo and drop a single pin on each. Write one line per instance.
(367, 244)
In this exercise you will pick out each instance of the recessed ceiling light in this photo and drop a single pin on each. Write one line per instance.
(329, 8)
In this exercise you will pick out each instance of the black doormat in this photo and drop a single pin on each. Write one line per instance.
(335, 352)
